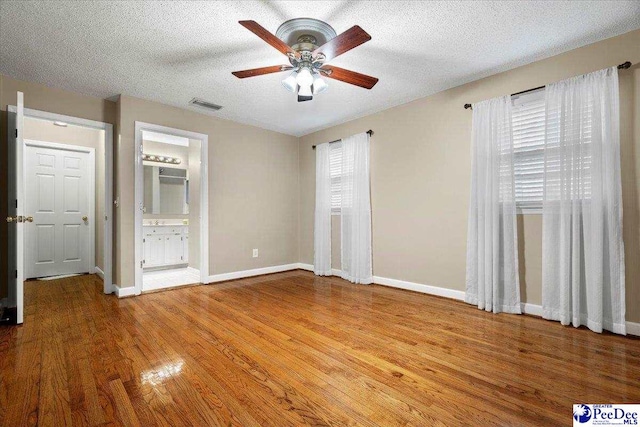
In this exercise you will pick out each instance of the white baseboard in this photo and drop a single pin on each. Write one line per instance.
(633, 328)
(250, 273)
(419, 287)
(99, 272)
(527, 308)
(532, 309)
(124, 292)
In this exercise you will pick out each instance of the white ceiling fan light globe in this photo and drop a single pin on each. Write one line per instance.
(290, 82)
(304, 77)
(319, 85)
(305, 90)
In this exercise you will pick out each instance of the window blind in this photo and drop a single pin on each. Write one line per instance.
(528, 125)
(335, 167)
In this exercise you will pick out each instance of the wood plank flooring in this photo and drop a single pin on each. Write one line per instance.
(294, 349)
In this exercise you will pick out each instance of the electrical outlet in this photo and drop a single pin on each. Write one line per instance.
(255, 253)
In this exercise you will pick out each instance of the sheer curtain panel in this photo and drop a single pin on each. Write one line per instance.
(322, 219)
(583, 279)
(355, 210)
(492, 281)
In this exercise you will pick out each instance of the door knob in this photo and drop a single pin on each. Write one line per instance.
(17, 218)
(28, 219)
(85, 218)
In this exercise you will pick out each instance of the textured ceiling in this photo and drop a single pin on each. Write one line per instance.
(171, 52)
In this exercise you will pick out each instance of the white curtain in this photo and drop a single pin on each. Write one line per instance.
(583, 255)
(355, 210)
(322, 226)
(492, 281)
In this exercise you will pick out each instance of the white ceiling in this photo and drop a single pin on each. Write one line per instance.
(171, 52)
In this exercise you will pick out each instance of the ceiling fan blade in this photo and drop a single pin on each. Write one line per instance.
(350, 77)
(265, 35)
(346, 41)
(260, 71)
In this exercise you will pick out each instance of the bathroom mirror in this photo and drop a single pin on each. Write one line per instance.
(166, 190)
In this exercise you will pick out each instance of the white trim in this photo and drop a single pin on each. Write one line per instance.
(633, 328)
(139, 198)
(308, 267)
(108, 180)
(532, 309)
(124, 292)
(92, 193)
(527, 308)
(419, 287)
(254, 272)
(99, 272)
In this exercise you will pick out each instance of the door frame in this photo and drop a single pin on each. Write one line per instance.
(92, 186)
(107, 273)
(139, 198)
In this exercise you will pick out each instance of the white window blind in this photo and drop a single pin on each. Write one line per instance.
(528, 121)
(335, 166)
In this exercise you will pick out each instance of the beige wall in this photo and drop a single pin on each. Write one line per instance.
(420, 175)
(39, 97)
(43, 130)
(253, 189)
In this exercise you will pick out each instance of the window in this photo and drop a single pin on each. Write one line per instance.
(528, 121)
(335, 167)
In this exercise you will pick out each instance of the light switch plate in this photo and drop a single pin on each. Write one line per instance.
(255, 253)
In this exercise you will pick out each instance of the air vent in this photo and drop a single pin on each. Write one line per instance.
(204, 104)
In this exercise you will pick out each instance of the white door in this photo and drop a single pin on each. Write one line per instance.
(59, 196)
(15, 205)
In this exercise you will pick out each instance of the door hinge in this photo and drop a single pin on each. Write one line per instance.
(16, 203)
(16, 133)
(181, 239)
(16, 273)
(144, 240)
(181, 258)
(141, 262)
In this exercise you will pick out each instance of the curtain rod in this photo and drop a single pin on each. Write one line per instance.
(622, 66)
(370, 132)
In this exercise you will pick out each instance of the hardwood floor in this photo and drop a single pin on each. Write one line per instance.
(295, 349)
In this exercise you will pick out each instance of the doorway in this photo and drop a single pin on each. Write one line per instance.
(171, 193)
(18, 216)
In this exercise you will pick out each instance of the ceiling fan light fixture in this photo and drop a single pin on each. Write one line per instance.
(319, 85)
(305, 90)
(304, 77)
(290, 82)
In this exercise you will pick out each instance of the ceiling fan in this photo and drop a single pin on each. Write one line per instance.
(310, 44)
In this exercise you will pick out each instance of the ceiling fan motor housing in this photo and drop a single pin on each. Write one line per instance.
(305, 34)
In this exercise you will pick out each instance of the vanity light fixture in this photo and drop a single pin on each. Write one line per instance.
(161, 159)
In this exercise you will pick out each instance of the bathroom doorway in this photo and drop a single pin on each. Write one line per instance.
(171, 222)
